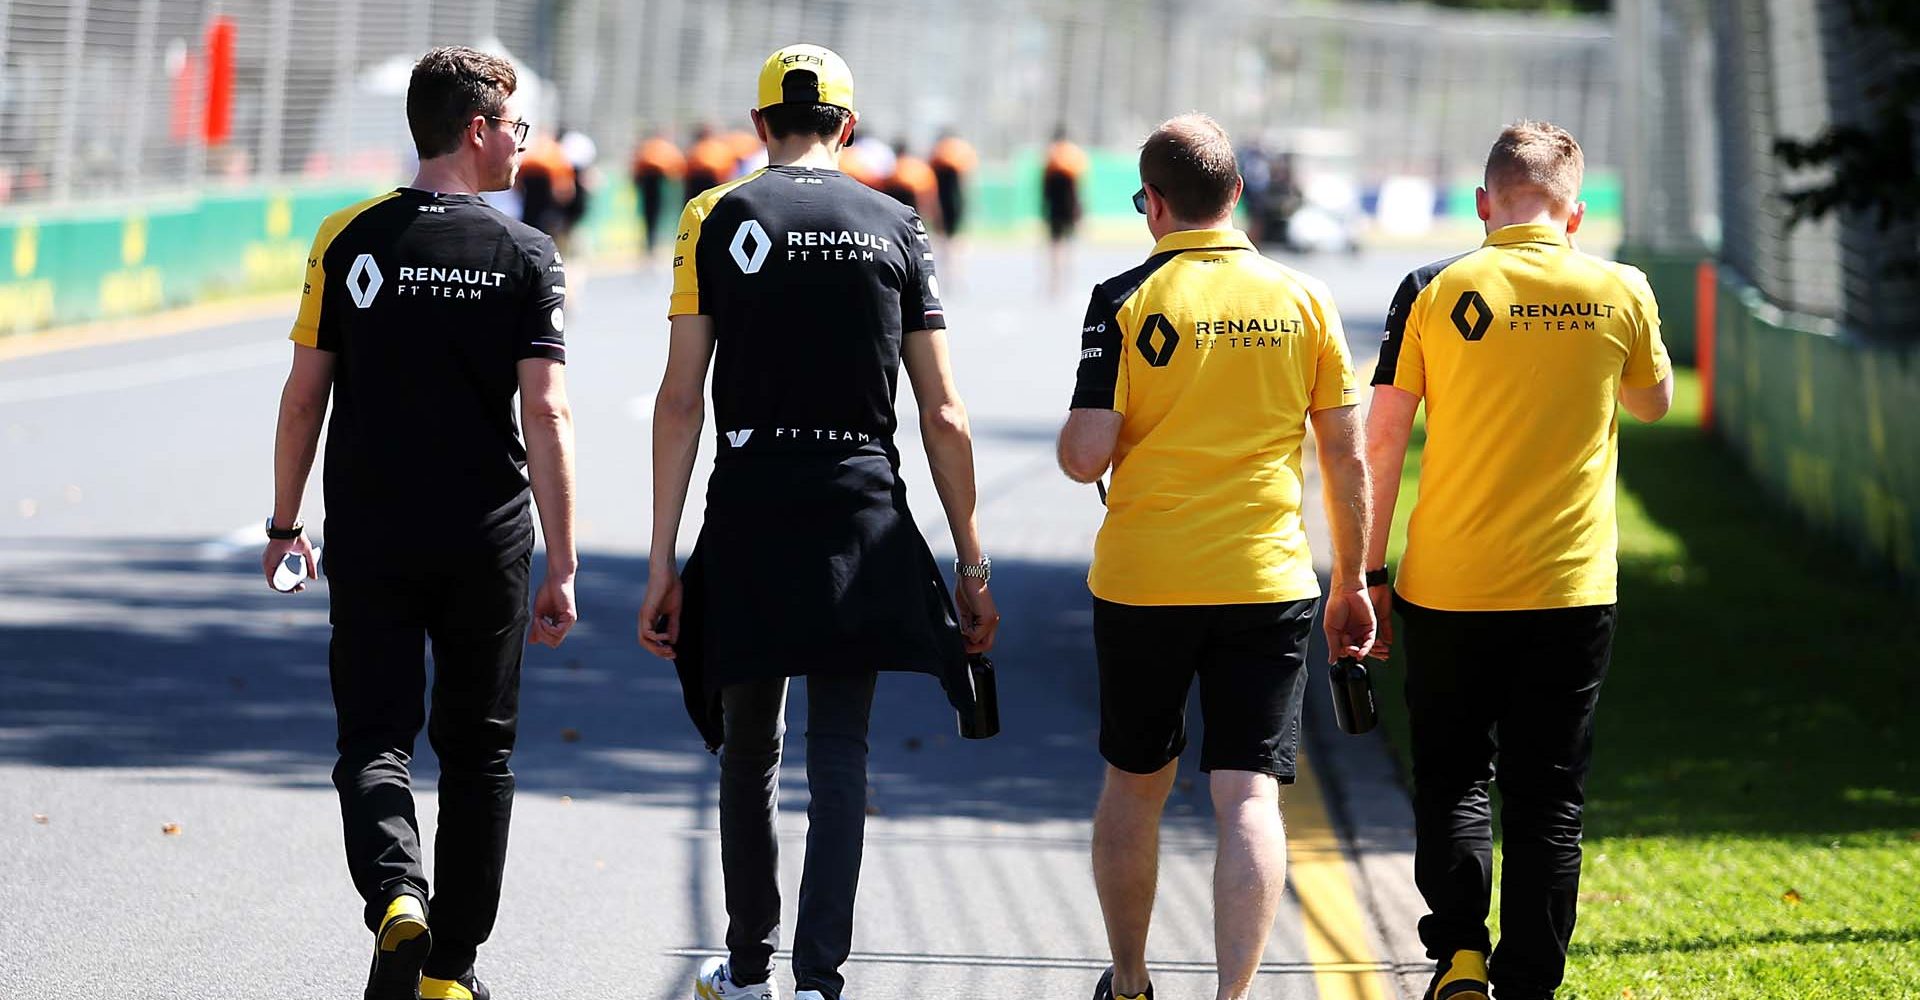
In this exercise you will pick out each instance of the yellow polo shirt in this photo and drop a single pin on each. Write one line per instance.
(1519, 349)
(1214, 356)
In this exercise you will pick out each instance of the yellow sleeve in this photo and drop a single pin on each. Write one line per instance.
(686, 280)
(1647, 363)
(1334, 383)
(306, 323)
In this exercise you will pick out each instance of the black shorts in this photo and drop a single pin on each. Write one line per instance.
(1251, 660)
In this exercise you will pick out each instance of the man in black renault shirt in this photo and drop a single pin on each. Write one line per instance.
(424, 311)
(807, 290)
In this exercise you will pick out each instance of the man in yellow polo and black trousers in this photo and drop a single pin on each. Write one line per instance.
(1506, 593)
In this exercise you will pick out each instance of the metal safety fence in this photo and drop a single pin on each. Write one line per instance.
(103, 98)
(1710, 87)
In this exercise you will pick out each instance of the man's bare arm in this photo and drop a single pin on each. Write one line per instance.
(1649, 403)
(547, 421)
(679, 415)
(1349, 617)
(949, 442)
(1087, 443)
(296, 438)
(1389, 426)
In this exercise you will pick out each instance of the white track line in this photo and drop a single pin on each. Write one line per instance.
(143, 373)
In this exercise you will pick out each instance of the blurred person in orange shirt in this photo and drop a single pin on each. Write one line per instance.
(655, 162)
(547, 189)
(953, 162)
(710, 162)
(1060, 204)
(912, 184)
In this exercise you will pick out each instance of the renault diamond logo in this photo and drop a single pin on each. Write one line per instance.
(1157, 327)
(750, 260)
(363, 280)
(1482, 315)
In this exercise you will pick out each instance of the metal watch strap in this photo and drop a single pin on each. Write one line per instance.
(982, 570)
(285, 534)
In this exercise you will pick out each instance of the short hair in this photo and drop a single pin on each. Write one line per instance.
(1538, 156)
(1190, 161)
(818, 121)
(449, 86)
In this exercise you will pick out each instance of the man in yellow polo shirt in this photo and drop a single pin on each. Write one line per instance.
(1199, 372)
(1506, 592)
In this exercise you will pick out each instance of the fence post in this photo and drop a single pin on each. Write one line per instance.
(1706, 299)
(73, 61)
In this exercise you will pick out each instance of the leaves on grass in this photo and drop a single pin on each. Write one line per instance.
(170, 829)
(1791, 897)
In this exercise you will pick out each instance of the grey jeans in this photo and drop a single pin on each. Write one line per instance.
(754, 714)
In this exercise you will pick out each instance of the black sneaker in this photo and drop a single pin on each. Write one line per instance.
(1104, 991)
(467, 987)
(400, 948)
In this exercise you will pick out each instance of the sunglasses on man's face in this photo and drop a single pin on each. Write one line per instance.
(1140, 198)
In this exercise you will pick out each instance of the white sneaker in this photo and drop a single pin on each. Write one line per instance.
(716, 983)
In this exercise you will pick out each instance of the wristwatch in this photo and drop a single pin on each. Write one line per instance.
(982, 570)
(285, 534)
(1378, 577)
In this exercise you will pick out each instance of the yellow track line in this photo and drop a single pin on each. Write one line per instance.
(1344, 965)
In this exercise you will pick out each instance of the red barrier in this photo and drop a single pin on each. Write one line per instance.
(217, 126)
(1705, 297)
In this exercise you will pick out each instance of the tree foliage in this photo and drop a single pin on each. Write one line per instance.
(1871, 161)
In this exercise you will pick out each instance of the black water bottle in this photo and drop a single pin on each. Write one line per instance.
(984, 721)
(1353, 703)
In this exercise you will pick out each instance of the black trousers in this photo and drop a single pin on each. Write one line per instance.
(653, 189)
(1507, 696)
(838, 707)
(476, 622)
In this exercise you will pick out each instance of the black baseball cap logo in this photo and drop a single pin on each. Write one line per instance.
(1157, 328)
(1471, 315)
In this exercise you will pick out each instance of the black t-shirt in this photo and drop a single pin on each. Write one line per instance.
(811, 278)
(429, 301)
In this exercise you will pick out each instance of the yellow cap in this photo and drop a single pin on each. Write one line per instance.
(783, 79)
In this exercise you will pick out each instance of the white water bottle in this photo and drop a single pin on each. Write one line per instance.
(291, 571)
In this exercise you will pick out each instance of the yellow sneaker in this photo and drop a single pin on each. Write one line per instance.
(467, 987)
(400, 948)
(1464, 978)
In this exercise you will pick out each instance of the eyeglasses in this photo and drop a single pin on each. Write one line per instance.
(519, 127)
(1140, 198)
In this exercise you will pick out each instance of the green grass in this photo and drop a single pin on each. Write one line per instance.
(1753, 818)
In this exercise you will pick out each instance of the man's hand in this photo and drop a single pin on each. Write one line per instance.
(663, 602)
(1381, 598)
(276, 553)
(979, 620)
(1348, 622)
(553, 612)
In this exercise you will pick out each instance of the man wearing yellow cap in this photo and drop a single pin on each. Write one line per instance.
(806, 290)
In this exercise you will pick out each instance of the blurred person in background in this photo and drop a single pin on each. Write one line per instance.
(1060, 206)
(582, 154)
(806, 293)
(953, 162)
(425, 311)
(547, 189)
(1523, 351)
(912, 184)
(1200, 372)
(710, 162)
(656, 163)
